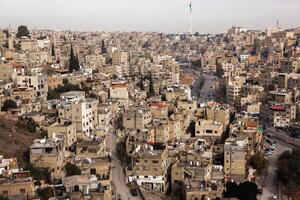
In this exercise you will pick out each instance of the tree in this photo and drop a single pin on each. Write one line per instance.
(27, 123)
(197, 34)
(52, 50)
(103, 47)
(231, 190)
(3, 197)
(219, 71)
(141, 83)
(258, 162)
(73, 61)
(23, 32)
(289, 170)
(45, 193)
(9, 104)
(37, 173)
(243, 191)
(55, 93)
(72, 170)
(247, 191)
(65, 81)
(151, 92)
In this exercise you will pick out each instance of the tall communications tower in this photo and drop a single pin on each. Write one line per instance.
(191, 17)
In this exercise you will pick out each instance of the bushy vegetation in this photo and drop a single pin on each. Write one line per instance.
(244, 191)
(258, 162)
(55, 93)
(72, 170)
(289, 171)
(23, 32)
(9, 104)
(38, 173)
(45, 193)
(27, 123)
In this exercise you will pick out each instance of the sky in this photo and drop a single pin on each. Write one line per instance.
(170, 16)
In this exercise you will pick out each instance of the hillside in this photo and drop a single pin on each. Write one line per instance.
(15, 141)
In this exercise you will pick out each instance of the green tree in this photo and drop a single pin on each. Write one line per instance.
(37, 173)
(72, 170)
(219, 71)
(258, 162)
(9, 104)
(73, 61)
(231, 190)
(52, 50)
(45, 193)
(27, 123)
(65, 81)
(103, 47)
(3, 197)
(141, 85)
(55, 93)
(289, 170)
(23, 32)
(151, 92)
(247, 191)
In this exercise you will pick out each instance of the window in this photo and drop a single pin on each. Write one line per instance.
(154, 161)
(209, 131)
(22, 190)
(5, 192)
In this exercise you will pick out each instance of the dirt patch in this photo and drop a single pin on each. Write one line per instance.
(14, 141)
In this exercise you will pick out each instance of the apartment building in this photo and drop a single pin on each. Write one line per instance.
(83, 112)
(119, 91)
(278, 115)
(235, 150)
(150, 164)
(208, 129)
(37, 82)
(49, 153)
(136, 117)
(19, 186)
(233, 89)
(219, 113)
(91, 148)
(119, 57)
(6, 71)
(65, 128)
(54, 81)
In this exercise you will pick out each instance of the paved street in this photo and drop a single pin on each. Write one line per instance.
(270, 185)
(118, 177)
(206, 92)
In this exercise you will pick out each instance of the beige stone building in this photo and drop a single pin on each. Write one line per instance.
(67, 129)
(49, 153)
(37, 82)
(235, 150)
(149, 168)
(91, 148)
(136, 117)
(208, 129)
(18, 187)
(119, 57)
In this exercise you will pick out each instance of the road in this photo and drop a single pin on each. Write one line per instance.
(270, 185)
(118, 176)
(206, 92)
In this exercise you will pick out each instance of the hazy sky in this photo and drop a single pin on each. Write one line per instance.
(149, 15)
